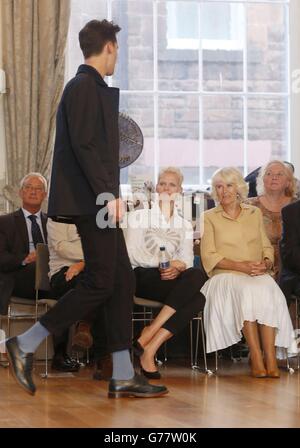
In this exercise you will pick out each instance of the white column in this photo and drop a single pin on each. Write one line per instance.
(2, 133)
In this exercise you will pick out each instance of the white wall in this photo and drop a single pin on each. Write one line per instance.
(2, 134)
(295, 86)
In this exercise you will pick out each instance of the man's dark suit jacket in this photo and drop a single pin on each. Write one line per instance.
(86, 151)
(14, 247)
(290, 249)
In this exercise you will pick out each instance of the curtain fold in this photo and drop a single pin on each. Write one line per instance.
(34, 34)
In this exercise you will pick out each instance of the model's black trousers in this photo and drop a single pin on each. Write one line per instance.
(182, 294)
(108, 279)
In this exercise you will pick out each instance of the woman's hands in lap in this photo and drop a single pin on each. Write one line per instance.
(253, 267)
(169, 274)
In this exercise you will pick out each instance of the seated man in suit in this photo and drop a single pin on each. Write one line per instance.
(289, 280)
(66, 265)
(20, 232)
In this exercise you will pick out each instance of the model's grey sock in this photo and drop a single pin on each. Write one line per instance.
(122, 366)
(31, 339)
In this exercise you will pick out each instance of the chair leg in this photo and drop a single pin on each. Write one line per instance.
(216, 361)
(45, 374)
(46, 364)
(132, 336)
(8, 323)
(191, 343)
(197, 344)
(3, 361)
(207, 370)
(204, 347)
(194, 355)
(288, 367)
(194, 358)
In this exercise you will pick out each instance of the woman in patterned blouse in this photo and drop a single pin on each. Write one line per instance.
(276, 187)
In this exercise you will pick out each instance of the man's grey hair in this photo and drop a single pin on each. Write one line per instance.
(34, 174)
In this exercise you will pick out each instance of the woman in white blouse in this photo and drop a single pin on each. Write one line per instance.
(178, 286)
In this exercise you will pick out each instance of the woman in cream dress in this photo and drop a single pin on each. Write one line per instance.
(241, 296)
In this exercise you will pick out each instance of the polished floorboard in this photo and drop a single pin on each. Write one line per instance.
(231, 399)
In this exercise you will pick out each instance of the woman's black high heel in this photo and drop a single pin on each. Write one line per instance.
(137, 348)
(138, 351)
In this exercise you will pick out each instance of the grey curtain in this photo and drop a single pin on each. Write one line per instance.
(34, 34)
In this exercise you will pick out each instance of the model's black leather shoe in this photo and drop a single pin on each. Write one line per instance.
(151, 375)
(138, 386)
(21, 364)
(64, 364)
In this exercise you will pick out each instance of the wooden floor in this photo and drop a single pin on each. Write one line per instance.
(230, 399)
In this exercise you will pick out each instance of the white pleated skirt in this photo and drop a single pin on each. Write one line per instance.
(233, 298)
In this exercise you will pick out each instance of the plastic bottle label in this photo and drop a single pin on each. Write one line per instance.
(164, 264)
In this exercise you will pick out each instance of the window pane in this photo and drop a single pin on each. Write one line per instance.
(177, 67)
(215, 21)
(222, 28)
(223, 133)
(267, 130)
(82, 11)
(267, 48)
(222, 43)
(140, 109)
(179, 134)
(134, 69)
(182, 22)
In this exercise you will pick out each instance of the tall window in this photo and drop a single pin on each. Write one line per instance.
(207, 81)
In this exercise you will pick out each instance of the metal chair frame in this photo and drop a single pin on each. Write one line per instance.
(194, 355)
(147, 316)
(296, 298)
(41, 283)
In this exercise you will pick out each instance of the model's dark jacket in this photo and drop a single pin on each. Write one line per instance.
(86, 152)
(290, 249)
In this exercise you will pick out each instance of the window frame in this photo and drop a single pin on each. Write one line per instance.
(155, 92)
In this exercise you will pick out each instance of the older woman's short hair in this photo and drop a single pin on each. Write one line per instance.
(290, 191)
(34, 174)
(230, 175)
(172, 170)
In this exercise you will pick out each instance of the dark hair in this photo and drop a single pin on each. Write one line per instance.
(290, 164)
(95, 34)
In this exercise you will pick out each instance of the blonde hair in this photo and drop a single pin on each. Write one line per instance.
(171, 170)
(230, 175)
(34, 174)
(290, 191)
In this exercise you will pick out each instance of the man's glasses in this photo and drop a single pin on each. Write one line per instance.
(271, 174)
(32, 188)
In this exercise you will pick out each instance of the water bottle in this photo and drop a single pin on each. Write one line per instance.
(164, 262)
